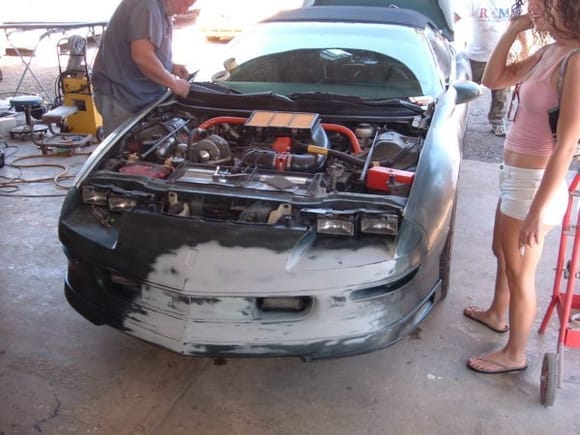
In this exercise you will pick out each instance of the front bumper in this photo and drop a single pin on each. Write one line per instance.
(195, 287)
(333, 325)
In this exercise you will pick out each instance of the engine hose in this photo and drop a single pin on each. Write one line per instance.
(313, 149)
(222, 120)
(354, 143)
(266, 159)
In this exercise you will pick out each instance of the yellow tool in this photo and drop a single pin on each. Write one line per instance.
(78, 94)
(75, 110)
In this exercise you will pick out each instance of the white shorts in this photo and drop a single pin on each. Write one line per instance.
(518, 187)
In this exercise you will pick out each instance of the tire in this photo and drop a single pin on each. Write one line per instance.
(100, 134)
(549, 379)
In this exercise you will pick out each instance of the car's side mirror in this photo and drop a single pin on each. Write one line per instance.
(467, 91)
(230, 64)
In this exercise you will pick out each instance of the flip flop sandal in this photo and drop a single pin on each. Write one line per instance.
(502, 368)
(468, 312)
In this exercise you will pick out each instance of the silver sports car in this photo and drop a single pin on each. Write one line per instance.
(300, 201)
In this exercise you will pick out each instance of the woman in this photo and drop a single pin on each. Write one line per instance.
(533, 192)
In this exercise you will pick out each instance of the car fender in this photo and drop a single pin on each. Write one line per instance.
(434, 188)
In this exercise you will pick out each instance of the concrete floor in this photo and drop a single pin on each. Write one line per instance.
(59, 374)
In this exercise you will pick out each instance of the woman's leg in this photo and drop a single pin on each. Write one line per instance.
(520, 273)
(495, 315)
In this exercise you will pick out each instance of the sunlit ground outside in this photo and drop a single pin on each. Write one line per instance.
(190, 47)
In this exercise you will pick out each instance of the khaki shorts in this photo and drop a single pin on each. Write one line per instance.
(518, 187)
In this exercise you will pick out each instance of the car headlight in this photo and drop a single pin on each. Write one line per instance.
(348, 223)
(121, 203)
(114, 201)
(387, 224)
(335, 225)
(94, 196)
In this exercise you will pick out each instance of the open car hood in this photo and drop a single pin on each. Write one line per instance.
(440, 11)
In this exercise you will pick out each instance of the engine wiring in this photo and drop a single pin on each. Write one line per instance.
(10, 186)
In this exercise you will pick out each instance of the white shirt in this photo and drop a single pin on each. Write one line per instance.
(482, 24)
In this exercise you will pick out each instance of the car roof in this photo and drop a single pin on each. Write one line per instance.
(440, 11)
(359, 14)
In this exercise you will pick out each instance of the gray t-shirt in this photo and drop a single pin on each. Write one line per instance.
(114, 72)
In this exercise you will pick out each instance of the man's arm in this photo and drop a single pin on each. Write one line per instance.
(143, 54)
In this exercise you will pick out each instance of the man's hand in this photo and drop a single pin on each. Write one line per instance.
(180, 71)
(180, 87)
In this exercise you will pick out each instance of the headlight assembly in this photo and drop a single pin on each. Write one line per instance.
(115, 201)
(336, 225)
(349, 224)
(387, 224)
(121, 203)
(94, 196)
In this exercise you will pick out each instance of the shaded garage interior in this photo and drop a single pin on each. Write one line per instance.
(60, 374)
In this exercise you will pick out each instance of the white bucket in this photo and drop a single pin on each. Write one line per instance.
(8, 122)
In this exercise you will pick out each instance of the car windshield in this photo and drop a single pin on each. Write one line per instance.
(363, 60)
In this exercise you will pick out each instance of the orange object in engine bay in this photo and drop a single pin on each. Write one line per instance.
(282, 144)
(390, 180)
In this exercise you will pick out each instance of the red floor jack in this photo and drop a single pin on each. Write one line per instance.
(567, 303)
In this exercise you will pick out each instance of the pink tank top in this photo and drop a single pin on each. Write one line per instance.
(530, 131)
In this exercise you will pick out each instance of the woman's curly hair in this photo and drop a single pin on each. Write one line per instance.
(569, 11)
(517, 8)
(532, 40)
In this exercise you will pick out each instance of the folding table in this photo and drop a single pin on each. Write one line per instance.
(43, 29)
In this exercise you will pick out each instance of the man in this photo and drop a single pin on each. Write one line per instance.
(485, 21)
(134, 64)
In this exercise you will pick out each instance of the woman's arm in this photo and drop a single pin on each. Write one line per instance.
(498, 73)
(568, 133)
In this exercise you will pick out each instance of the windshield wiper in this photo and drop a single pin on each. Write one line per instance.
(224, 90)
(399, 102)
(209, 87)
(274, 95)
(389, 102)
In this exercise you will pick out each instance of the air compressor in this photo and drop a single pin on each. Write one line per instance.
(74, 108)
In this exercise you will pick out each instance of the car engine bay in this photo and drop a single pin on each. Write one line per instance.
(258, 168)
